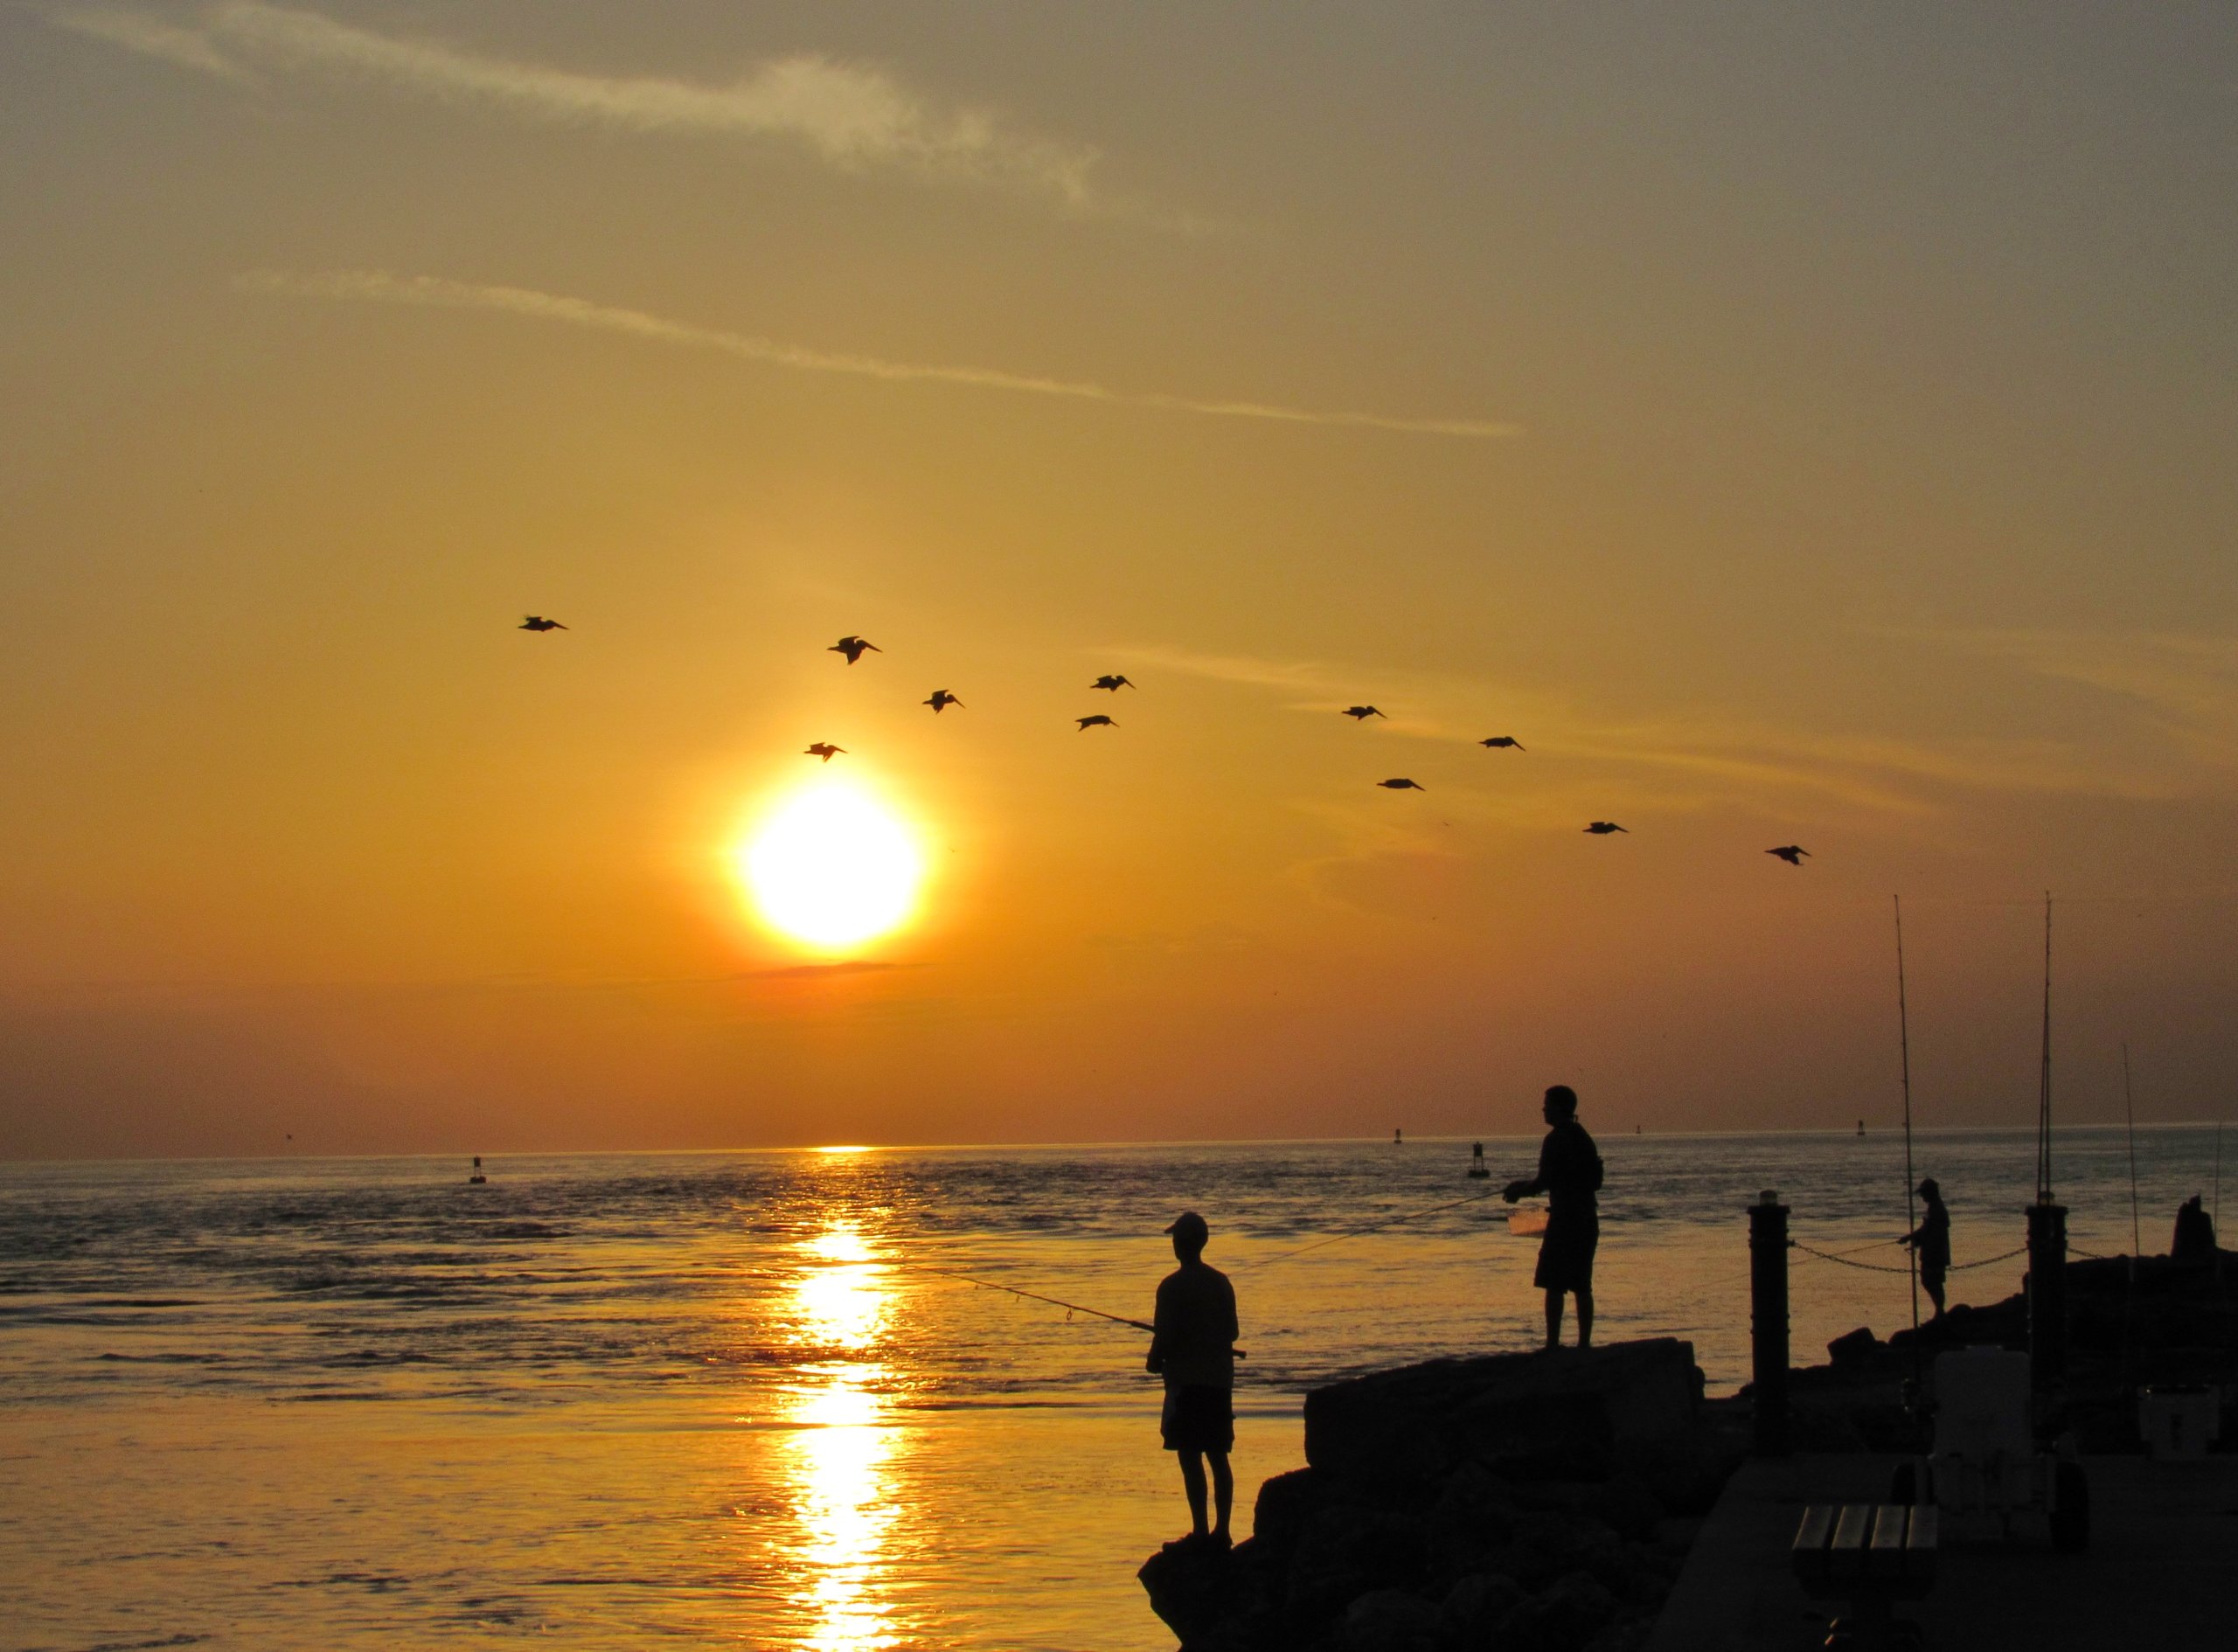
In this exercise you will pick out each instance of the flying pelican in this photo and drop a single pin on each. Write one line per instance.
(538, 622)
(1098, 721)
(1603, 828)
(1793, 854)
(1501, 742)
(1114, 684)
(1361, 714)
(1403, 785)
(825, 750)
(852, 647)
(941, 700)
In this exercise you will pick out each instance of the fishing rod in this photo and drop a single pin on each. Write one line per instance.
(2218, 1176)
(2043, 1073)
(1031, 1296)
(1036, 1296)
(1904, 1044)
(2128, 1112)
(1136, 1325)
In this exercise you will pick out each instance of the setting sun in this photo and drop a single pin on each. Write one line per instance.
(832, 867)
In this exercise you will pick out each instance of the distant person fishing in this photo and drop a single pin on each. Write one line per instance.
(1192, 1346)
(1931, 1241)
(1569, 1175)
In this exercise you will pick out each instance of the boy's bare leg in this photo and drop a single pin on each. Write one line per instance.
(1553, 1319)
(1584, 1316)
(1193, 1482)
(1223, 1496)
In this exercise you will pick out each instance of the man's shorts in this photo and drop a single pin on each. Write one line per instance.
(1565, 1254)
(1199, 1418)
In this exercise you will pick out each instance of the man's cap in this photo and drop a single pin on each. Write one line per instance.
(1930, 1185)
(1190, 1222)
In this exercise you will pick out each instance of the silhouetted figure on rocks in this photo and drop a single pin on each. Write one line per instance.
(1931, 1239)
(1192, 1346)
(2194, 1240)
(1569, 1175)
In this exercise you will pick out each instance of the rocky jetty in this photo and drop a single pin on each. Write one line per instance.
(1537, 1502)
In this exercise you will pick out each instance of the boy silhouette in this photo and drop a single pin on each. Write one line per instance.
(1192, 1346)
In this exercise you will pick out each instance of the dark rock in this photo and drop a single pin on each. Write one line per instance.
(1478, 1603)
(1686, 1473)
(1391, 1620)
(1548, 1413)
(1551, 1545)
(1346, 1551)
(1191, 1583)
(1471, 1522)
(1562, 1619)
(1858, 1346)
(1286, 1504)
(1624, 1504)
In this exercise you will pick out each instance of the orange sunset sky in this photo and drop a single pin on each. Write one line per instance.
(1795, 424)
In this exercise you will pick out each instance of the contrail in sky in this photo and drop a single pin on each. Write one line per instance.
(433, 291)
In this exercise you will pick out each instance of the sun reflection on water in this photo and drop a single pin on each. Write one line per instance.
(843, 1442)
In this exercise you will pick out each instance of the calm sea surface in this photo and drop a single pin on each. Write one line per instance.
(700, 1399)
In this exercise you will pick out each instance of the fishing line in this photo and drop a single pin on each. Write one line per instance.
(1374, 1227)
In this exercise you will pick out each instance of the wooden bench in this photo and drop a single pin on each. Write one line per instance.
(1871, 1556)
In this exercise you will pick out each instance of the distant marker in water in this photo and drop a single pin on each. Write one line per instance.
(477, 1179)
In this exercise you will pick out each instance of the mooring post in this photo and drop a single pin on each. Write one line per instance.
(2047, 1294)
(1768, 1321)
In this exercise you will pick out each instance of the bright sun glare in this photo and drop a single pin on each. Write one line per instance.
(832, 867)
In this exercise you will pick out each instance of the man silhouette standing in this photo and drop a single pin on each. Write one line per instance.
(1192, 1346)
(1569, 1175)
(1931, 1239)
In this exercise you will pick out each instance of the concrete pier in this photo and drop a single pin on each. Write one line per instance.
(2158, 1574)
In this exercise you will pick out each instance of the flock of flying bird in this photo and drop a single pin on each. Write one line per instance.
(855, 647)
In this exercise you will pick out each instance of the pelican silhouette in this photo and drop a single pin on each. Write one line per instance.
(1501, 742)
(538, 622)
(1098, 721)
(1114, 684)
(941, 700)
(852, 647)
(1793, 854)
(1603, 828)
(1361, 714)
(825, 750)
(1403, 785)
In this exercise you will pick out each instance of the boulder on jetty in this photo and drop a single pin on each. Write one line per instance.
(1538, 1502)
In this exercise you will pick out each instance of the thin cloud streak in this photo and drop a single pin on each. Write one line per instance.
(850, 116)
(154, 38)
(1868, 771)
(435, 293)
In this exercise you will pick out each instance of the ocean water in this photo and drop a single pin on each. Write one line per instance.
(737, 1399)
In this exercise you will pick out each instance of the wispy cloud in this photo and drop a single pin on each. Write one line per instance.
(155, 37)
(433, 292)
(1729, 756)
(2186, 681)
(848, 115)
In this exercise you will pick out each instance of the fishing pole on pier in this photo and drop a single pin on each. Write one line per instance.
(1904, 1043)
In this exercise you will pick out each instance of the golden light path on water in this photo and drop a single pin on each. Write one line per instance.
(841, 1443)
